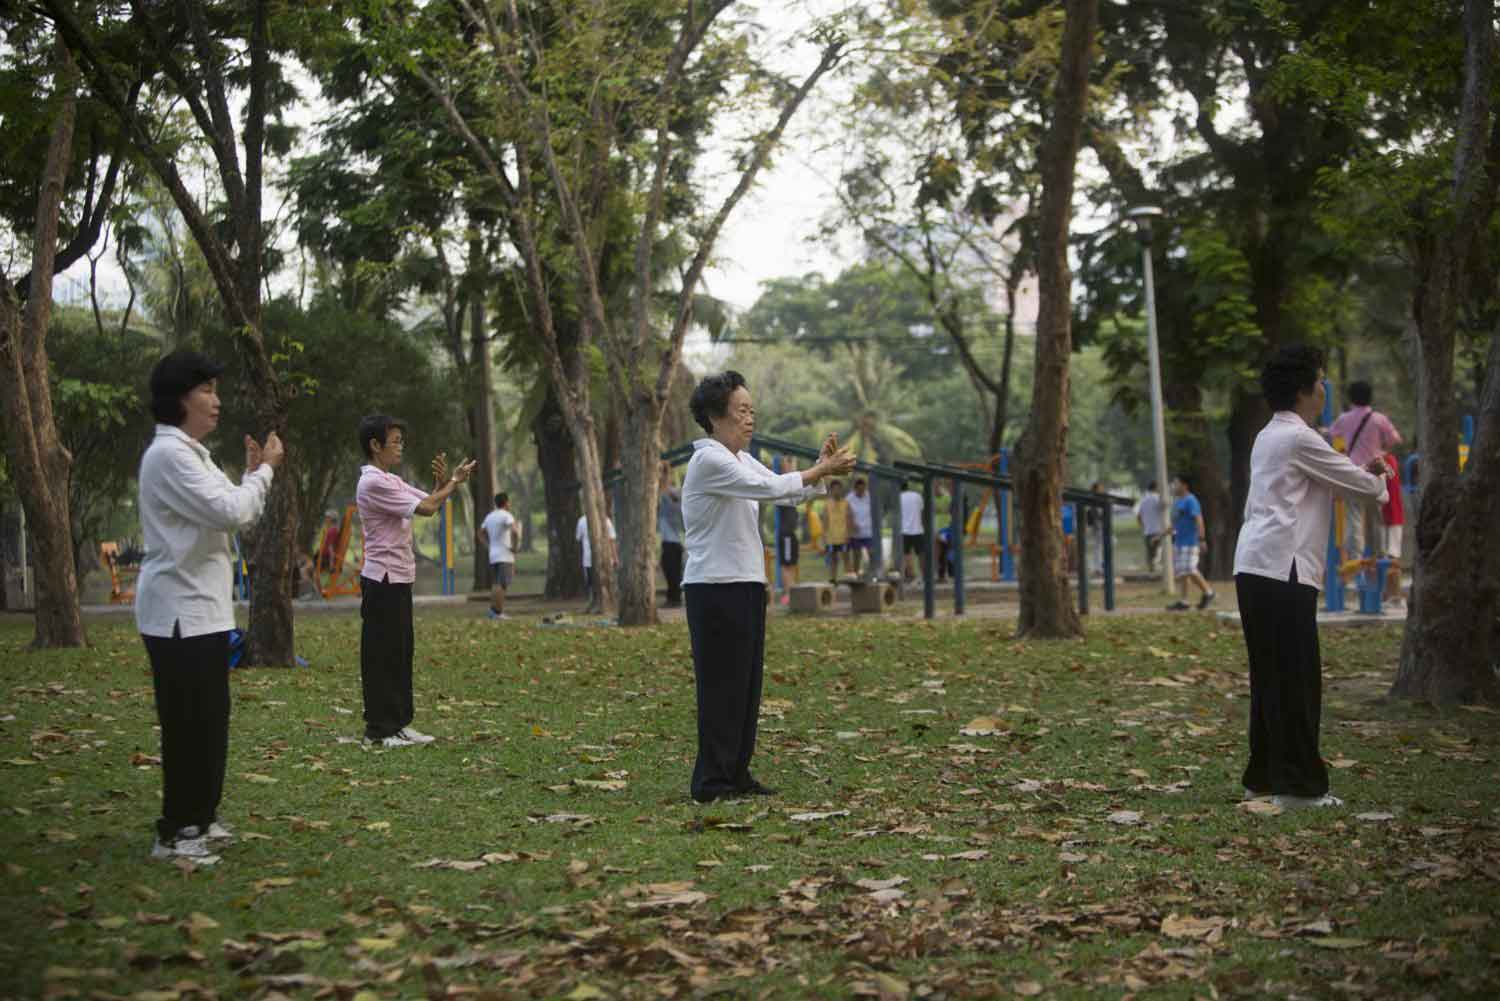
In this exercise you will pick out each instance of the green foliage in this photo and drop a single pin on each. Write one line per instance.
(98, 399)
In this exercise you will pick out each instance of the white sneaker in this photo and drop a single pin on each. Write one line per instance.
(219, 832)
(394, 740)
(1288, 802)
(1252, 794)
(414, 736)
(189, 844)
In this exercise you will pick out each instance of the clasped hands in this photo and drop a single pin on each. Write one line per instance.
(271, 453)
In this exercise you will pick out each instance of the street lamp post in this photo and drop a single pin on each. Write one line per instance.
(1142, 216)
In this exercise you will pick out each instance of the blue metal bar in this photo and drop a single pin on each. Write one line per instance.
(1007, 560)
(1333, 584)
(1109, 557)
(1080, 532)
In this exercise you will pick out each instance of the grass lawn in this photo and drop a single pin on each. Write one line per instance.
(962, 816)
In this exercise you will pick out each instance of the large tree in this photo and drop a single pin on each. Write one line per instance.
(207, 52)
(590, 110)
(36, 456)
(1046, 600)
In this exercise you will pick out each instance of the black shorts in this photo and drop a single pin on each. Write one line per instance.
(502, 574)
(913, 543)
(787, 550)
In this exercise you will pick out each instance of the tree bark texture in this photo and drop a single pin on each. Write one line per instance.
(1047, 609)
(639, 455)
(1447, 652)
(554, 457)
(38, 460)
(482, 487)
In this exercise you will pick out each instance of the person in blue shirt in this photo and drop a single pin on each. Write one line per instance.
(1187, 538)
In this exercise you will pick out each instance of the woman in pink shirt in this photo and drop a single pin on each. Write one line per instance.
(387, 504)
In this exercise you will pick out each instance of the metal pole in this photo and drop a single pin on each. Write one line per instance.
(929, 540)
(1158, 421)
(1081, 533)
(1109, 556)
(956, 545)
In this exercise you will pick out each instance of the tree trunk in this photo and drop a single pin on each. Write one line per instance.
(1046, 599)
(1002, 399)
(39, 463)
(1447, 653)
(1191, 442)
(482, 484)
(554, 457)
(638, 493)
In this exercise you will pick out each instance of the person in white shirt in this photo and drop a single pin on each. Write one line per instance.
(913, 538)
(590, 582)
(501, 534)
(1278, 571)
(183, 602)
(861, 528)
(724, 582)
(1148, 515)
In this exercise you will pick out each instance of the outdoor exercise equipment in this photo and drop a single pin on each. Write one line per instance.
(334, 573)
(120, 593)
(447, 576)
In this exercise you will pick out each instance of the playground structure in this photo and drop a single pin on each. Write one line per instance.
(993, 477)
(1368, 570)
(334, 573)
(120, 592)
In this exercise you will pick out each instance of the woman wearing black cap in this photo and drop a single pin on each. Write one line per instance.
(183, 602)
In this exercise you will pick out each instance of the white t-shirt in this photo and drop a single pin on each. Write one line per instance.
(497, 525)
(581, 533)
(1149, 510)
(911, 512)
(859, 517)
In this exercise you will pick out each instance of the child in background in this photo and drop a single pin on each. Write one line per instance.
(836, 529)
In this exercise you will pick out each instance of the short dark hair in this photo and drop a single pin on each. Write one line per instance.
(501, 499)
(711, 398)
(1360, 393)
(175, 376)
(859, 481)
(1151, 485)
(1187, 480)
(377, 427)
(1292, 369)
(905, 484)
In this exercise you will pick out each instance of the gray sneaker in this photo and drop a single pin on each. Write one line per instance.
(190, 844)
(1289, 802)
(394, 740)
(413, 735)
(219, 832)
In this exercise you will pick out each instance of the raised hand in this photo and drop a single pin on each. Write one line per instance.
(840, 461)
(440, 468)
(830, 445)
(273, 451)
(1378, 466)
(252, 454)
(462, 472)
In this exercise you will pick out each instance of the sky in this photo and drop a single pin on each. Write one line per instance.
(767, 236)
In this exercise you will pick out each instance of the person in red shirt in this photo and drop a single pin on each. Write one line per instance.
(1394, 516)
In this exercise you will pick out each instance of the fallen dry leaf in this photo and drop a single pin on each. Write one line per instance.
(807, 818)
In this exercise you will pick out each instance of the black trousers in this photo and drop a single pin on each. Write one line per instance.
(671, 568)
(1286, 685)
(191, 679)
(386, 645)
(727, 623)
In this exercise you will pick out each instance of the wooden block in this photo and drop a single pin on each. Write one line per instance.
(872, 596)
(811, 598)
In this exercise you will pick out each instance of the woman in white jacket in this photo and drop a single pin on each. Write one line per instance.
(183, 604)
(724, 582)
(1278, 571)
